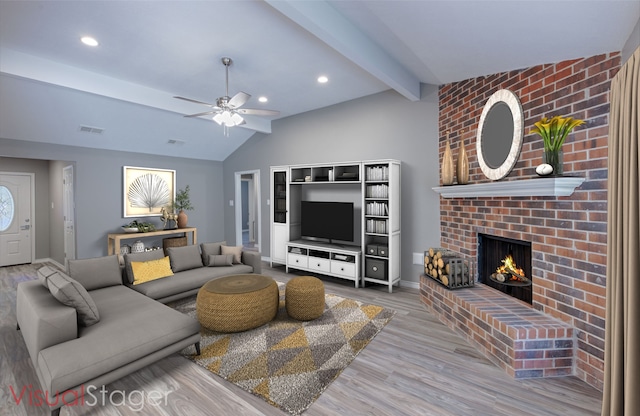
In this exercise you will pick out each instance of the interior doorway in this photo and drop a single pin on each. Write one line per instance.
(68, 207)
(17, 239)
(247, 209)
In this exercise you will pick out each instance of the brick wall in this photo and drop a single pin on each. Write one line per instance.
(568, 234)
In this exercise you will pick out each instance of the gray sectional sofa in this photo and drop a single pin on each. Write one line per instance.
(94, 324)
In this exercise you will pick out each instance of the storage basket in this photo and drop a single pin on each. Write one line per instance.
(173, 242)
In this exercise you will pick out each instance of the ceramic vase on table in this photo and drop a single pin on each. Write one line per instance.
(182, 219)
(447, 165)
(555, 159)
(137, 247)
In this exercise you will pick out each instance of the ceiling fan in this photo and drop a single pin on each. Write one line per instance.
(227, 112)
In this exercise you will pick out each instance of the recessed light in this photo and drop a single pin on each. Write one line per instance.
(263, 99)
(89, 41)
(323, 79)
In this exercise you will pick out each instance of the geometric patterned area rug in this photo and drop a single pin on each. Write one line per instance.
(286, 362)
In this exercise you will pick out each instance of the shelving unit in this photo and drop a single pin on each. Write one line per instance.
(279, 214)
(373, 186)
(381, 223)
(349, 172)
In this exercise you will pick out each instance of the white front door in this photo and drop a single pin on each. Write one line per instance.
(15, 219)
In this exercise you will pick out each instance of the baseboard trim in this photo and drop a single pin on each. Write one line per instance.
(49, 260)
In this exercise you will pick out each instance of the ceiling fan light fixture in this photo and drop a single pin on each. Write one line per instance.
(237, 119)
(228, 118)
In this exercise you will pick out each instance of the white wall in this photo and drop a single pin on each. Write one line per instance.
(380, 126)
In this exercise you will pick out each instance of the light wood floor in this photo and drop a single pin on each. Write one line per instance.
(414, 366)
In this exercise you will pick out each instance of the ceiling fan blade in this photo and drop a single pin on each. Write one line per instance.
(201, 114)
(194, 101)
(258, 112)
(239, 99)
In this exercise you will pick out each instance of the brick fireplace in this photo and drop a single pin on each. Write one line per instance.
(568, 234)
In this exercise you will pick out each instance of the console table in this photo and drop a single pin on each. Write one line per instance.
(114, 239)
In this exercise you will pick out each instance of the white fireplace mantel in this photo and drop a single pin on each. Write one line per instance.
(549, 186)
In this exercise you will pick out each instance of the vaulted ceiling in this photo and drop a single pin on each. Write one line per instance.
(150, 51)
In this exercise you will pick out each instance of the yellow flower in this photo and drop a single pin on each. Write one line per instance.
(555, 131)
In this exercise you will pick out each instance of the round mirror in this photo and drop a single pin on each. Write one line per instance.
(500, 134)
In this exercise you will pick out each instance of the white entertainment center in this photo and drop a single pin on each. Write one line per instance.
(373, 187)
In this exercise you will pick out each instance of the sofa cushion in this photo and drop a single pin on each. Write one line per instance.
(96, 273)
(184, 258)
(188, 280)
(73, 294)
(43, 274)
(144, 256)
(209, 249)
(145, 271)
(220, 260)
(235, 250)
(138, 325)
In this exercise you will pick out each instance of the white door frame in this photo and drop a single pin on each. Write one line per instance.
(32, 208)
(238, 205)
(68, 210)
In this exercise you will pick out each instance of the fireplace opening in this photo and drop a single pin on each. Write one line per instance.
(505, 265)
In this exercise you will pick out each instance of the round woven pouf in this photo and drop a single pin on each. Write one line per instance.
(237, 303)
(304, 298)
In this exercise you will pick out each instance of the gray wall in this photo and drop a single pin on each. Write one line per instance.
(98, 192)
(380, 126)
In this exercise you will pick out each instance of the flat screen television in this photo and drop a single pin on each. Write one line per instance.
(329, 220)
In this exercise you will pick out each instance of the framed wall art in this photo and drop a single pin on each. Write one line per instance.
(147, 190)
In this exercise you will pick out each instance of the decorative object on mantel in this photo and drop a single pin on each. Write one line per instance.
(181, 204)
(544, 169)
(554, 132)
(125, 249)
(500, 134)
(447, 164)
(462, 171)
(137, 247)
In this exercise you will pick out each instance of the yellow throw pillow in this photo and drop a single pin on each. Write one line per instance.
(146, 271)
(235, 250)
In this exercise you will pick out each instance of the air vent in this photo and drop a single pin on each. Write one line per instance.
(89, 129)
(176, 141)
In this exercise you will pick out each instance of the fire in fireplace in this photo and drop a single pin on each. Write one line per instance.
(505, 265)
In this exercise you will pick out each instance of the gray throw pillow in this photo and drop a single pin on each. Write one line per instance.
(209, 249)
(184, 258)
(73, 294)
(96, 273)
(43, 274)
(220, 260)
(235, 250)
(144, 256)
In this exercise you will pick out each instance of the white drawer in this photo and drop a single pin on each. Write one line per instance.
(319, 264)
(341, 268)
(297, 260)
